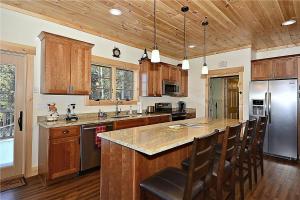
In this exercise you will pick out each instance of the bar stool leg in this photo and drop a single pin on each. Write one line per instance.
(241, 179)
(261, 163)
(254, 167)
(249, 171)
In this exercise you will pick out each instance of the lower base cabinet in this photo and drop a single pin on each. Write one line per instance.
(59, 152)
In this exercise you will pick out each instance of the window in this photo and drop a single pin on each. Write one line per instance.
(112, 80)
(101, 83)
(125, 84)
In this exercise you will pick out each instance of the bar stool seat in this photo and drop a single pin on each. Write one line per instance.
(169, 184)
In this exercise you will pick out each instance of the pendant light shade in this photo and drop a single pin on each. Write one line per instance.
(185, 61)
(155, 57)
(204, 67)
(185, 64)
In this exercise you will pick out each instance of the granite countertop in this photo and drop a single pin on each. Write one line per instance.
(153, 139)
(93, 120)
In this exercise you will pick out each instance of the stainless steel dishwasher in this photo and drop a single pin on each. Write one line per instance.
(89, 151)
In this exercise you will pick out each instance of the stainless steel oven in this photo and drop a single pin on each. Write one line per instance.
(171, 88)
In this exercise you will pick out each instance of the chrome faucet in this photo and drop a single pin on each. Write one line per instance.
(117, 106)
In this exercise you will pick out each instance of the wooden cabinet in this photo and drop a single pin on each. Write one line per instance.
(261, 70)
(191, 115)
(159, 119)
(130, 123)
(65, 65)
(165, 71)
(153, 75)
(275, 68)
(184, 83)
(80, 68)
(150, 76)
(59, 152)
(174, 74)
(285, 68)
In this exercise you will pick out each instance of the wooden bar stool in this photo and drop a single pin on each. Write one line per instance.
(244, 156)
(224, 164)
(176, 184)
(258, 145)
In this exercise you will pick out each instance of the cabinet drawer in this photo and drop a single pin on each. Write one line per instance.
(61, 132)
(190, 115)
(122, 124)
(159, 119)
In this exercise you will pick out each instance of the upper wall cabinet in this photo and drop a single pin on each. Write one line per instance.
(276, 68)
(153, 75)
(65, 65)
(150, 74)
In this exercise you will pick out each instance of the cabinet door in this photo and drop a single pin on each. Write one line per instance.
(159, 119)
(174, 72)
(184, 83)
(55, 59)
(81, 69)
(64, 158)
(156, 80)
(130, 123)
(284, 68)
(146, 89)
(261, 70)
(165, 72)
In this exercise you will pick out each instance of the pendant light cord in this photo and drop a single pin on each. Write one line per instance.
(184, 21)
(204, 24)
(154, 14)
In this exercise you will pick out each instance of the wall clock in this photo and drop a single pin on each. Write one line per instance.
(116, 52)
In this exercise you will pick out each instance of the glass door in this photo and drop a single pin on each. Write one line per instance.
(12, 101)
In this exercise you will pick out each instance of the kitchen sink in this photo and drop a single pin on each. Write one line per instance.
(120, 116)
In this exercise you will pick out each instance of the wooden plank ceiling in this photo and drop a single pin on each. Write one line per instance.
(233, 24)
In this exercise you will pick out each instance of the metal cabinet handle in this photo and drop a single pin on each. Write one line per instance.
(66, 131)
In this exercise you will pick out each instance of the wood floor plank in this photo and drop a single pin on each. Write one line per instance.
(280, 182)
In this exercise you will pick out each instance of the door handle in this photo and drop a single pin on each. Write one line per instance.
(270, 107)
(20, 121)
(266, 104)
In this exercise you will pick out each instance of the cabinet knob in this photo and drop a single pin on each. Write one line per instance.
(66, 131)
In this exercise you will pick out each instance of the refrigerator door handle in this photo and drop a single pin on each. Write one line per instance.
(266, 104)
(269, 104)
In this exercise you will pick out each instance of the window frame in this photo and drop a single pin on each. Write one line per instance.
(115, 64)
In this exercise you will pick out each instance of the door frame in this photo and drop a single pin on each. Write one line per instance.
(233, 71)
(29, 53)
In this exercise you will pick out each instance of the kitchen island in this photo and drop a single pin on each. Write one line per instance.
(129, 156)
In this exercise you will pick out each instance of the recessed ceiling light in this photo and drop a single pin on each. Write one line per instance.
(192, 46)
(288, 22)
(115, 11)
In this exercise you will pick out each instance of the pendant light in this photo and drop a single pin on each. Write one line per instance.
(185, 61)
(155, 57)
(204, 67)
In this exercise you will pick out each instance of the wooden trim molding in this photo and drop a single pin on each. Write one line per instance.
(233, 71)
(17, 48)
(29, 51)
(114, 64)
(29, 115)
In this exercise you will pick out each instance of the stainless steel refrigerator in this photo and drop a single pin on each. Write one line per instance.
(278, 100)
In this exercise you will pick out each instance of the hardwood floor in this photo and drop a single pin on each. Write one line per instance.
(86, 187)
(280, 182)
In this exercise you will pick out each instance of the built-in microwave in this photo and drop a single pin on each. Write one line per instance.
(171, 88)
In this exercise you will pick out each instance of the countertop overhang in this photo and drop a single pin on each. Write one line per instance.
(154, 139)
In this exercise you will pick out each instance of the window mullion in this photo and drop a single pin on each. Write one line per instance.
(114, 84)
